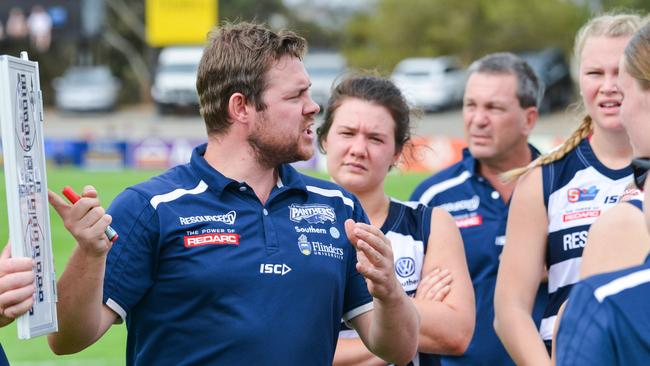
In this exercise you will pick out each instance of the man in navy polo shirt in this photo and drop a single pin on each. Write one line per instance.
(16, 290)
(499, 112)
(236, 258)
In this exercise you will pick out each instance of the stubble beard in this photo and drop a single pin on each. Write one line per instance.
(272, 149)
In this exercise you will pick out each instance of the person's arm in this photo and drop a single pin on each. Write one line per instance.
(445, 251)
(16, 286)
(558, 320)
(352, 352)
(520, 272)
(82, 316)
(390, 330)
(618, 239)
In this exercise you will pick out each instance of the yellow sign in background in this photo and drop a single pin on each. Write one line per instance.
(179, 22)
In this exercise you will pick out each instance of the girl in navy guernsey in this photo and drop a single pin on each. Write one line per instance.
(624, 224)
(607, 311)
(365, 130)
(560, 195)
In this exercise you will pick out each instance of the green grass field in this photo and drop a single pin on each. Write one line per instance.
(110, 349)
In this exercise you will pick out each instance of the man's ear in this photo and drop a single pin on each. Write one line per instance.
(532, 114)
(238, 108)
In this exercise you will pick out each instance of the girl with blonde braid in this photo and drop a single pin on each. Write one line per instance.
(561, 194)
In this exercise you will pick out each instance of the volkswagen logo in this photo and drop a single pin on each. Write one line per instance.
(405, 267)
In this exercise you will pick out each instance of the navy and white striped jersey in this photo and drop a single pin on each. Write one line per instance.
(577, 190)
(607, 320)
(408, 226)
(481, 215)
(205, 274)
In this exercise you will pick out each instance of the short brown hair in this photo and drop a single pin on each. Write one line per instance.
(236, 60)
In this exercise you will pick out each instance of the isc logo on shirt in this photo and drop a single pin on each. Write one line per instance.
(211, 239)
(270, 268)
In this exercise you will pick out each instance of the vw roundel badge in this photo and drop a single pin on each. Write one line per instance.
(405, 267)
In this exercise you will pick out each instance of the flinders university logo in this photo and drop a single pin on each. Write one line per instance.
(303, 244)
(313, 213)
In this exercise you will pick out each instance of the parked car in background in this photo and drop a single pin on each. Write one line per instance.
(430, 83)
(325, 68)
(86, 88)
(553, 70)
(174, 84)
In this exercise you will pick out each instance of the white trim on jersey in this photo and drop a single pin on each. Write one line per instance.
(348, 334)
(563, 274)
(331, 193)
(357, 311)
(546, 327)
(620, 284)
(116, 308)
(412, 204)
(177, 193)
(432, 191)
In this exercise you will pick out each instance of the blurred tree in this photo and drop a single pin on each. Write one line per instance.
(249, 10)
(642, 6)
(467, 28)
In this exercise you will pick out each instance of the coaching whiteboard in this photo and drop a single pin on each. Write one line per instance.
(21, 116)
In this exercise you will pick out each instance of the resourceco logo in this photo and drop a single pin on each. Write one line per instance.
(227, 218)
(469, 205)
(313, 214)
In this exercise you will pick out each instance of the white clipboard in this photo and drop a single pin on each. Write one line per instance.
(21, 116)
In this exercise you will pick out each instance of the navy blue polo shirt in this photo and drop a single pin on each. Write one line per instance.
(205, 274)
(481, 215)
(607, 320)
(3, 357)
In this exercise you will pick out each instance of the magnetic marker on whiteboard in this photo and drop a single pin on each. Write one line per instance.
(73, 197)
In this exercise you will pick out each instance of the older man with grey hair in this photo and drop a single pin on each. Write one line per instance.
(500, 109)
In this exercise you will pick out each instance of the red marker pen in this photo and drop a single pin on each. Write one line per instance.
(73, 197)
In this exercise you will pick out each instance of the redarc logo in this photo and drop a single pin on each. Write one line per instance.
(211, 239)
(269, 268)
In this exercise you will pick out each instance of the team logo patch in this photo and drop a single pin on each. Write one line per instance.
(303, 244)
(211, 239)
(313, 213)
(582, 194)
(580, 215)
(405, 267)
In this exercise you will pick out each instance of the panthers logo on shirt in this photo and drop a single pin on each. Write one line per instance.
(313, 213)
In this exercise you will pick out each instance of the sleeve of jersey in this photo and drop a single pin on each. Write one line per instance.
(583, 337)
(357, 298)
(130, 265)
